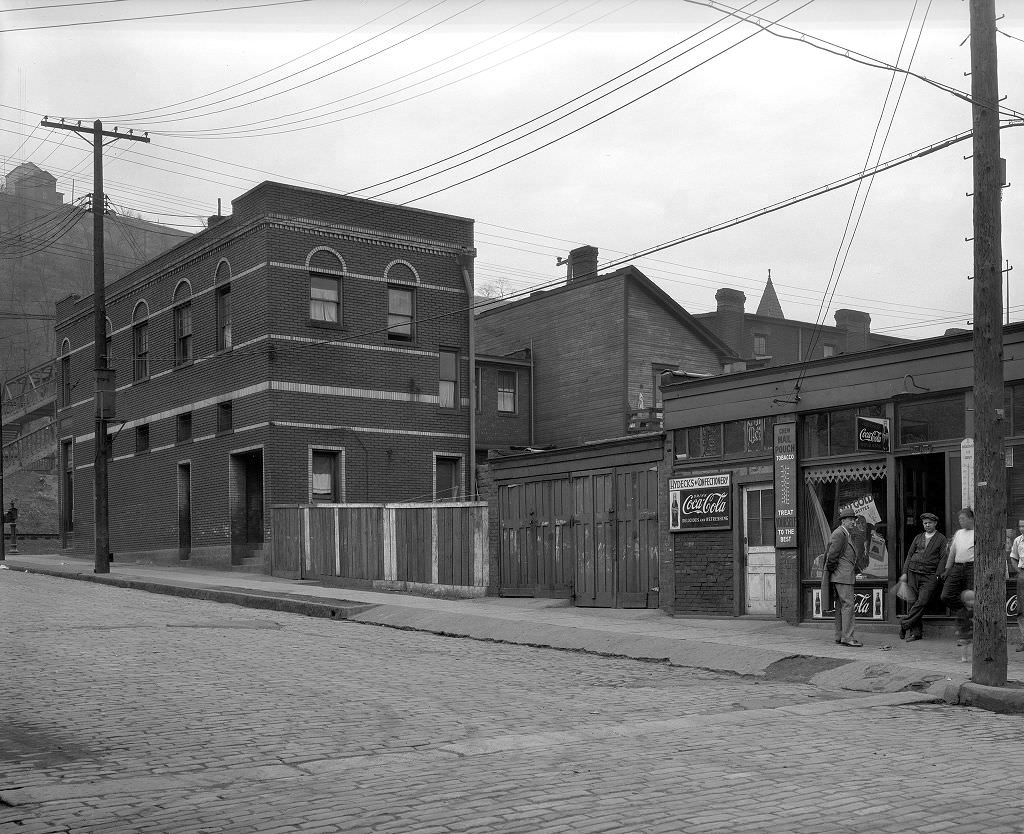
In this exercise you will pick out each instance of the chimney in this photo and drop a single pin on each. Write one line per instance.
(582, 263)
(729, 320)
(855, 328)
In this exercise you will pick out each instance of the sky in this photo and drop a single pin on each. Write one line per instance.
(686, 117)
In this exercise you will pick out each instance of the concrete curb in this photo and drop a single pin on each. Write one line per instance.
(1006, 700)
(333, 609)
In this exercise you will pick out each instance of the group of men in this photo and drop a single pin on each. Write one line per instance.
(932, 561)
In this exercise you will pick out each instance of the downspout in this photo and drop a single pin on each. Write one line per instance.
(466, 264)
(532, 409)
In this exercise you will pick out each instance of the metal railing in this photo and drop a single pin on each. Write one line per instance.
(31, 393)
(29, 448)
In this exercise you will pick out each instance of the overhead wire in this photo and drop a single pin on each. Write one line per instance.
(846, 242)
(139, 114)
(152, 16)
(379, 52)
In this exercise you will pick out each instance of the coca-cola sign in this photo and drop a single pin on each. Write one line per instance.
(702, 502)
(873, 434)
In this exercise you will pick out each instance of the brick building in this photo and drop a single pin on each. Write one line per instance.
(599, 345)
(309, 347)
(766, 337)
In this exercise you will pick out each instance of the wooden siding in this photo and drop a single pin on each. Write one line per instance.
(577, 337)
(655, 336)
(439, 547)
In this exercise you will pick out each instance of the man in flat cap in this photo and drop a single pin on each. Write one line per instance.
(924, 568)
(841, 563)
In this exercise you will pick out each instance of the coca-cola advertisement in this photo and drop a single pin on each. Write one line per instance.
(872, 434)
(703, 502)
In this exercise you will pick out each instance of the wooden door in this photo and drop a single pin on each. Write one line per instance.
(594, 539)
(636, 515)
(759, 549)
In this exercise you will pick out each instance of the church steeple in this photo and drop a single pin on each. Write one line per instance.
(769, 305)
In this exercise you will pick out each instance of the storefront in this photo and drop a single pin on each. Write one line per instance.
(886, 432)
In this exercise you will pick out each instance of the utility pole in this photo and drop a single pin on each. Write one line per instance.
(104, 373)
(989, 656)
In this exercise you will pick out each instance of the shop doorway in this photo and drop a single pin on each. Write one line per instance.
(922, 490)
(759, 550)
(246, 500)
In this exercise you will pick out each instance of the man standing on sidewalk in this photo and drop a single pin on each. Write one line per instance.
(960, 575)
(924, 568)
(841, 563)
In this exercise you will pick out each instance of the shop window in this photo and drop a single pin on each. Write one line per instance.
(698, 442)
(506, 392)
(747, 438)
(828, 490)
(448, 376)
(926, 421)
(828, 433)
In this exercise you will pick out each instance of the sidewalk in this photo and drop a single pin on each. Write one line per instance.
(738, 645)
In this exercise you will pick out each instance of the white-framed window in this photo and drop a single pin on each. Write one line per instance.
(140, 342)
(325, 290)
(222, 297)
(183, 324)
(828, 350)
(326, 474)
(401, 313)
(760, 344)
(448, 378)
(508, 389)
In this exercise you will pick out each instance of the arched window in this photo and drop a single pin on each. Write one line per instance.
(182, 323)
(325, 291)
(223, 301)
(65, 373)
(140, 342)
(401, 301)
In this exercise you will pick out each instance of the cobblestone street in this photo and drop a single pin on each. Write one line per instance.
(133, 712)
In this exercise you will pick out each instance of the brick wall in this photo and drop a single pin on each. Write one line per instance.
(704, 573)
(294, 384)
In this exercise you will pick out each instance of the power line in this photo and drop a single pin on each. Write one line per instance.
(326, 75)
(141, 113)
(61, 6)
(153, 16)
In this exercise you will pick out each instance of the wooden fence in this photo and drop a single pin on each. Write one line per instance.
(436, 548)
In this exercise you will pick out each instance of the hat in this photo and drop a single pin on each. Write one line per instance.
(932, 516)
(847, 513)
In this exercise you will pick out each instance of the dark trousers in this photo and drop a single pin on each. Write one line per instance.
(923, 585)
(959, 579)
(846, 603)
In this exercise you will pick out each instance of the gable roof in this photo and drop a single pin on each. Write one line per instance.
(634, 276)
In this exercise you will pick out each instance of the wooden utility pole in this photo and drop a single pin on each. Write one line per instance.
(989, 657)
(104, 373)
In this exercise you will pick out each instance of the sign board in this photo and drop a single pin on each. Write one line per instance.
(870, 605)
(967, 472)
(785, 485)
(864, 506)
(872, 434)
(703, 502)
